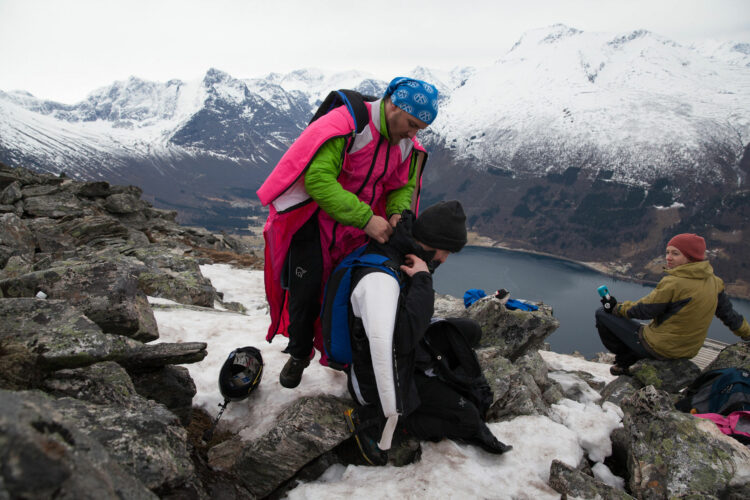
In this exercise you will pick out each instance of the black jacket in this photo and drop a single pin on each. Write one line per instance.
(415, 308)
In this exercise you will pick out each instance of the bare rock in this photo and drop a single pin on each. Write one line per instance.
(53, 457)
(102, 383)
(169, 385)
(671, 376)
(11, 193)
(55, 205)
(572, 482)
(107, 292)
(15, 238)
(308, 428)
(673, 454)
(514, 390)
(515, 332)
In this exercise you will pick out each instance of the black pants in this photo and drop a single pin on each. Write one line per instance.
(444, 413)
(620, 336)
(302, 276)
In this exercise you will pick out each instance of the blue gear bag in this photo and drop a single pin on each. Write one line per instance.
(718, 391)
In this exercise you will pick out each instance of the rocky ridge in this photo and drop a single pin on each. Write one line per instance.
(93, 406)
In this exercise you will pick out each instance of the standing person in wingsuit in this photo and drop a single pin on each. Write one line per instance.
(680, 308)
(329, 193)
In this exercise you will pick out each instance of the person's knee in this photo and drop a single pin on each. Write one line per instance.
(600, 314)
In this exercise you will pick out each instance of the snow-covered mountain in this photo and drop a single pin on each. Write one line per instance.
(569, 143)
(638, 104)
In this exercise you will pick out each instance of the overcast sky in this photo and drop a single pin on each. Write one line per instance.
(64, 49)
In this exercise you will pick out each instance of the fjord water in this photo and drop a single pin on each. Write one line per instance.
(569, 288)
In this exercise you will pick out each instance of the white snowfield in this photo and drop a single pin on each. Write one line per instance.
(446, 469)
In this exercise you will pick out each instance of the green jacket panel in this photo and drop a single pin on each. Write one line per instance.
(322, 185)
(343, 206)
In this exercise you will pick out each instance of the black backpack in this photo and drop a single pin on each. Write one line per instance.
(355, 104)
(718, 391)
(450, 343)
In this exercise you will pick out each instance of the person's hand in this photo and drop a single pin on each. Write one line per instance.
(609, 304)
(394, 219)
(378, 229)
(414, 265)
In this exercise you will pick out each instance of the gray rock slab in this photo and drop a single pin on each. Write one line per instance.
(514, 332)
(107, 292)
(46, 454)
(58, 334)
(55, 205)
(306, 429)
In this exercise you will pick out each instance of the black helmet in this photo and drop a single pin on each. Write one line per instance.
(241, 373)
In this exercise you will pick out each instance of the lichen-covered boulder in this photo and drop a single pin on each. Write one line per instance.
(619, 388)
(447, 306)
(15, 238)
(145, 438)
(54, 205)
(50, 240)
(673, 454)
(732, 356)
(672, 375)
(123, 203)
(515, 332)
(574, 483)
(93, 230)
(107, 292)
(514, 390)
(11, 193)
(172, 275)
(58, 335)
(101, 383)
(47, 454)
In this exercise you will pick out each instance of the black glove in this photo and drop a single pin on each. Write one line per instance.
(609, 304)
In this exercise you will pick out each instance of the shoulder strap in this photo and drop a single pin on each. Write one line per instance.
(354, 102)
(380, 262)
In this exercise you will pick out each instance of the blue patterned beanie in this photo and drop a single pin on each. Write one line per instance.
(418, 98)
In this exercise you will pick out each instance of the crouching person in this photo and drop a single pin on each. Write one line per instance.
(390, 317)
(680, 308)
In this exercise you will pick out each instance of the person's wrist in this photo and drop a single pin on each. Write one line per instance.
(367, 221)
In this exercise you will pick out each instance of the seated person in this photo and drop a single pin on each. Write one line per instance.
(390, 318)
(680, 308)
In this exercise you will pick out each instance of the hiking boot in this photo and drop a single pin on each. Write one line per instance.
(618, 370)
(365, 435)
(291, 374)
(489, 443)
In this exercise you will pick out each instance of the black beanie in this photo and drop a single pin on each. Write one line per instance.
(442, 226)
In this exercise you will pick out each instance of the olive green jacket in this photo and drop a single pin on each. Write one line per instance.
(681, 308)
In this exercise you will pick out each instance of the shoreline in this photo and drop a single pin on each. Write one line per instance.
(477, 240)
(599, 267)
